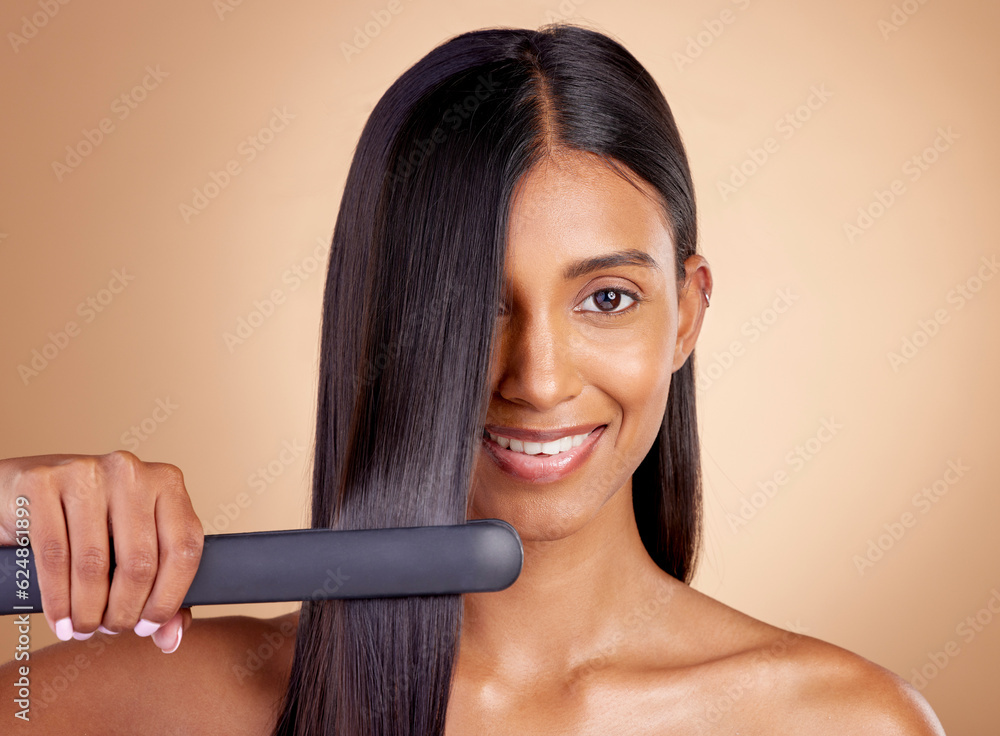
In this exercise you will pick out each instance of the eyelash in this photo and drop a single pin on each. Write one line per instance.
(631, 294)
(627, 292)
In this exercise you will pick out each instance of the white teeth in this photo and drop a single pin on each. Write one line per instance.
(540, 448)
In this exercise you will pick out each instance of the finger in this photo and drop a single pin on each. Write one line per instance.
(90, 556)
(50, 547)
(136, 548)
(168, 637)
(180, 541)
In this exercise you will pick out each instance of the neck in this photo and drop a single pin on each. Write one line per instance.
(572, 606)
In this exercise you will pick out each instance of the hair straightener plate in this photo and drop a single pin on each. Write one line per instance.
(320, 564)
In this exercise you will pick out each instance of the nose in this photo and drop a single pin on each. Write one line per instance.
(538, 362)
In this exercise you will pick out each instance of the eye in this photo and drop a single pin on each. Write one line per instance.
(609, 299)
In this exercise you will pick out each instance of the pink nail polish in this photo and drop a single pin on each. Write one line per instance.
(82, 637)
(106, 631)
(177, 643)
(64, 629)
(145, 628)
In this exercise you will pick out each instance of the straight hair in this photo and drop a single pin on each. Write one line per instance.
(413, 287)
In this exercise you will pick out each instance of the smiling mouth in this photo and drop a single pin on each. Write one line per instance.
(553, 447)
(526, 464)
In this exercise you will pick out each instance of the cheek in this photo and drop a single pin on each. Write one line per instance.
(632, 367)
(634, 375)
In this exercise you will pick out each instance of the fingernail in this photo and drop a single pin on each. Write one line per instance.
(145, 628)
(64, 629)
(82, 637)
(106, 631)
(177, 642)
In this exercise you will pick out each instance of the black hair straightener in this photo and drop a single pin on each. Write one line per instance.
(319, 564)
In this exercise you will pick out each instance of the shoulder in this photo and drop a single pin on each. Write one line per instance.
(834, 690)
(805, 684)
(228, 676)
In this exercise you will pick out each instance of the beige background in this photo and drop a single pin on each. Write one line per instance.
(888, 87)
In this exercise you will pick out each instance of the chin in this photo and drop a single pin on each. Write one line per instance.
(534, 520)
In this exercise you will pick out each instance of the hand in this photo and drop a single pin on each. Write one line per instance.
(76, 502)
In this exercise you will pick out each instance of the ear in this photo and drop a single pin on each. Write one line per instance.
(691, 305)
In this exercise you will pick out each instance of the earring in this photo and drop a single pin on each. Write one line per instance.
(707, 302)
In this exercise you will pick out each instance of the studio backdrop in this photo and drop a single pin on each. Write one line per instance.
(171, 174)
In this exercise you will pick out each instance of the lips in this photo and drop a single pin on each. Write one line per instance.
(542, 468)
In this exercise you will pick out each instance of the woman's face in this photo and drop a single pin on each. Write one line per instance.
(581, 345)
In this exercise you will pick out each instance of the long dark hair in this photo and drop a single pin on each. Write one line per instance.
(413, 288)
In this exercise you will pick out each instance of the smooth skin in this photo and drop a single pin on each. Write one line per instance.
(592, 638)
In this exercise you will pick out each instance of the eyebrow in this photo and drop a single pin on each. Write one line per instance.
(632, 257)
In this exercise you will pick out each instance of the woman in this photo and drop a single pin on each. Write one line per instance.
(510, 314)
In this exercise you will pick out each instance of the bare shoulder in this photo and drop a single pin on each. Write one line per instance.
(764, 679)
(228, 676)
(837, 691)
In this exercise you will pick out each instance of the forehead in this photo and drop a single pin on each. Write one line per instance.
(573, 206)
